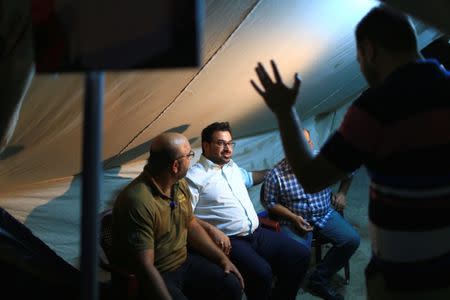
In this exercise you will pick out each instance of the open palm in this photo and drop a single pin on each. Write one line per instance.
(278, 97)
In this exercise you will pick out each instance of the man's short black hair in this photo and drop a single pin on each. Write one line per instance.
(208, 131)
(388, 28)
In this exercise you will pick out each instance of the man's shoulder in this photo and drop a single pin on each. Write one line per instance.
(135, 192)
(183, 185)
(196, 171)
(278, 169)
(367, 98)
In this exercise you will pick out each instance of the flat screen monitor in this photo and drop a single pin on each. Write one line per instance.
(83, 35)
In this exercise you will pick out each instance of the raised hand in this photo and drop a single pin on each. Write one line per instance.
(278, 97)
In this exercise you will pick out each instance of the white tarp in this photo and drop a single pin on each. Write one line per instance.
(39, 184)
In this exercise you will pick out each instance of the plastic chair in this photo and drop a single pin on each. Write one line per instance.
(124, 283)
(267, 222)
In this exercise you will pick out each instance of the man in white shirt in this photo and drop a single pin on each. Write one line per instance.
(223, 207)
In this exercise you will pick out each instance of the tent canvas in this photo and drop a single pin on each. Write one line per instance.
(41, 159)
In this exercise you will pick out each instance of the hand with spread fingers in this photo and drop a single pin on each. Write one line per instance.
(278, 97)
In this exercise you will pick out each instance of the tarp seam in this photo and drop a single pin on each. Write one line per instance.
(189, 83)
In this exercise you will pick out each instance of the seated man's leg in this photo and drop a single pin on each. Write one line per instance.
(255, 270)
(174, 282)
(204, 279)
(345, 241)
(289, 261)
(305, 239)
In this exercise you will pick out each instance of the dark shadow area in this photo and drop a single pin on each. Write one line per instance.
(60, 216)
(10, 151)
(30, 269)
(439, 49)
(137, 151)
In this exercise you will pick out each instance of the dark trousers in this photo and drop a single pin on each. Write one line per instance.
(265, 256)
(199, 278)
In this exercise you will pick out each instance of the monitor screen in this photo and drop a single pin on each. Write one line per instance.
(81, 35)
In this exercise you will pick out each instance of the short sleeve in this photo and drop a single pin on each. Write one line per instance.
(271, 190)
(247, 177)
(195, 194)
(357, 140)
(185, 190)
(140, 227)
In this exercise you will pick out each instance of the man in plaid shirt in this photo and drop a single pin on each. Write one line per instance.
(300, 213)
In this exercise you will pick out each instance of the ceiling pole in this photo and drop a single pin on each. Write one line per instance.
(92, 183)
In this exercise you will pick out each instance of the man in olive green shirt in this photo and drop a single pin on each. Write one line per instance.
(153, 224)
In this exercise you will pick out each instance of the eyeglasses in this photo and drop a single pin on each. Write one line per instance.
(222, 143)
(189, 156)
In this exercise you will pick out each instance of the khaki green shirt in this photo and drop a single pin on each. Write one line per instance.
(143, 218)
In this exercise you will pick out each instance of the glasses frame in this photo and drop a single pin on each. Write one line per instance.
(189, 156)
(223, 143)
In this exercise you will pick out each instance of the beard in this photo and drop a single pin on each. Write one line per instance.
(221, 160)
(371, 75)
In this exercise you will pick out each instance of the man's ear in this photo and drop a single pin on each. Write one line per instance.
(175, 166)
(369, 49)
(205, 146)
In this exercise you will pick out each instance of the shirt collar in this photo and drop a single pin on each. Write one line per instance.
(285, 165)
(207, 164)
(154, 185)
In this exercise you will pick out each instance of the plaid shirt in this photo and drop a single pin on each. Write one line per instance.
(281, 187)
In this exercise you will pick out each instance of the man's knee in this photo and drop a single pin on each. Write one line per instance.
(301, 254)
(263, 275)
(295, 259)
(353, 242)
(232, 288)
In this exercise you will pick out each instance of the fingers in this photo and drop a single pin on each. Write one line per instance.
(235, 271)
(275, 71)
(263, 76)
(306, 227)
(303, 221)
(260, 91)
(227, 250)
(297, 82)
(225, 246)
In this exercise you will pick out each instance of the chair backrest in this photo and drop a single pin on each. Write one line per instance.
(125, 284)
(261, 193)
(106, 233)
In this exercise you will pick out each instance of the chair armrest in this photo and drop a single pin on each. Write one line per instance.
(116, 270)
(269, 224)
(125, 281)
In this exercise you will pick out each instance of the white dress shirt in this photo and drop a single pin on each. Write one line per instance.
(220, 196)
